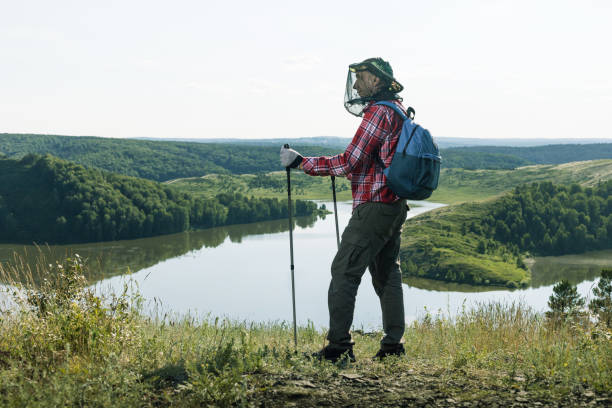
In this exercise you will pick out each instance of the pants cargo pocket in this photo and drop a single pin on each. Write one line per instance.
(358, 250)
(351, 261)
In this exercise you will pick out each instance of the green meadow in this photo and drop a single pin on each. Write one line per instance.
(456, 185)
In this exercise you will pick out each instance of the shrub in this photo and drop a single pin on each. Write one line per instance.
(60, 316)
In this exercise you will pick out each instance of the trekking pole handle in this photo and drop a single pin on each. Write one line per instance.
(286, 146)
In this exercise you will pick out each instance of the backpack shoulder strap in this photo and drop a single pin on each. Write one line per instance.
(410, 111)
(393, 106)
(399, 111)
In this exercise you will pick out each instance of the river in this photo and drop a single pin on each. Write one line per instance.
(242, 273)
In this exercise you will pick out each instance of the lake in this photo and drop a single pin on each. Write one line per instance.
(242, 272)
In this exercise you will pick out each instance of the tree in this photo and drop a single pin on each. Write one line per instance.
(502, 232)
(564, 302)
(601, 305)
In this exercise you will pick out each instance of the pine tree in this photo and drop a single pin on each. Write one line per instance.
(564, 302)
(601, 305)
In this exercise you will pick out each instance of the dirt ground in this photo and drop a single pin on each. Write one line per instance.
(422, 388)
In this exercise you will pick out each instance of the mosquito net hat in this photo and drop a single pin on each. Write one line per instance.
(355, 103)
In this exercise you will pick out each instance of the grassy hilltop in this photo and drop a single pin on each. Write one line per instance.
(460, 185)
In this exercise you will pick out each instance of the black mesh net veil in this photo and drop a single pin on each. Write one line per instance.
(388, 90)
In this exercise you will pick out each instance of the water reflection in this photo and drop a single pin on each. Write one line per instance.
(573, 268)
(106, 259)
(242, 272)
(545, 271)
(441, 286)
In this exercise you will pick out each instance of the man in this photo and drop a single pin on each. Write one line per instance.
(372, 237)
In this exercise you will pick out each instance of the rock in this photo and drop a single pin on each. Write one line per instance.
(521, 399)
(303, 383)
(294, 393)
(351, 376)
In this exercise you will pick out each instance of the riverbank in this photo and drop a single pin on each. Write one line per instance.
(65, 346)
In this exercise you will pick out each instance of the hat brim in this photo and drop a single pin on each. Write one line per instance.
(394, 85)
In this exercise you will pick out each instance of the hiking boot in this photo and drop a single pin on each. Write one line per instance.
(394, 350)
(334, 354)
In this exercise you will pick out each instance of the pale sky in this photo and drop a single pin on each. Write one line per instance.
(259, 69)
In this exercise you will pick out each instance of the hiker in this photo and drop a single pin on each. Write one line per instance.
(372, 237)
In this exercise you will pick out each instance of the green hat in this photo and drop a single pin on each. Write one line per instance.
(381, 69)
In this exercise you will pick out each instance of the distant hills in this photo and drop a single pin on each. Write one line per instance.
(550, 154)
(167, 160)
(342, 142)
(328, 141)
(153, 160)
(444, 142)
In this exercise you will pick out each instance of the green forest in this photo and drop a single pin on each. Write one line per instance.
(473, 160)
(46, 199)
(153, 160)
(549, 154)
(485, 243)
(547, 219)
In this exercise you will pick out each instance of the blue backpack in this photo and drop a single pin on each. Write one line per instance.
(415, 167)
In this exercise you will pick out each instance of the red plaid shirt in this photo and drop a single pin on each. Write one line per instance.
(377, 135)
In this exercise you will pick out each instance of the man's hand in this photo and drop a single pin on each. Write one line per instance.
(290, 158)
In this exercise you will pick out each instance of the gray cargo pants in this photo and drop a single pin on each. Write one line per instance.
(371, 239)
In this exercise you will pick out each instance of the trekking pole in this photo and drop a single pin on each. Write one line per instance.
(333, 179)
(291, 249)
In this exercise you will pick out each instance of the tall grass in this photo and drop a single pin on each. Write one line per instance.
(513, 341)
(63, 345)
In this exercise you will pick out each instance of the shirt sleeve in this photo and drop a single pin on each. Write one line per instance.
(376, 124)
